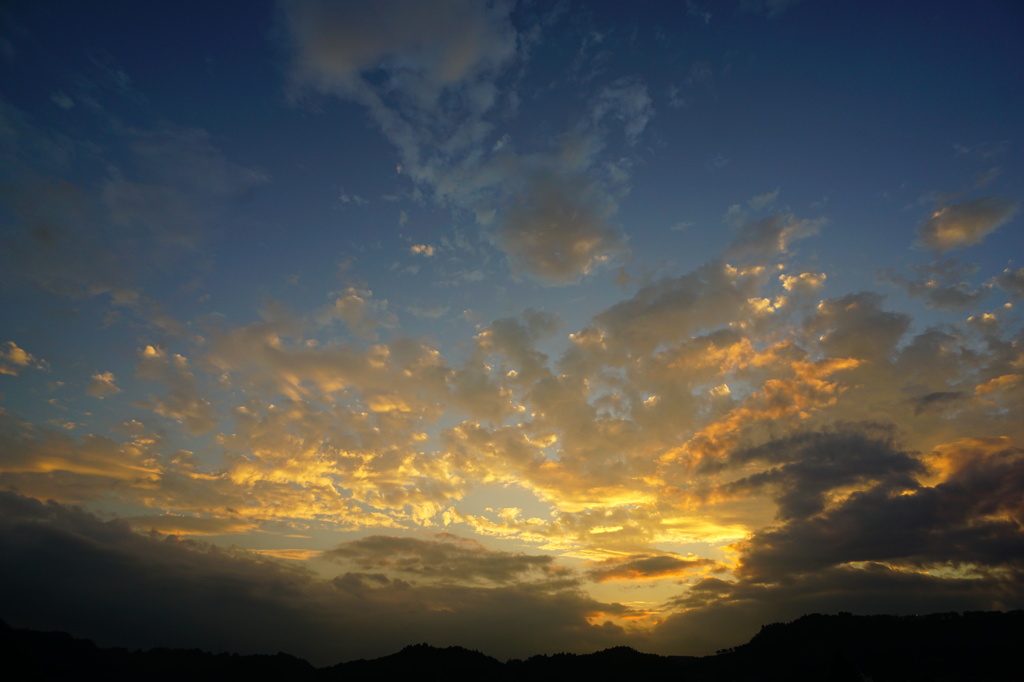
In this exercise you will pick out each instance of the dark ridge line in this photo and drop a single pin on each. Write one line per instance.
(974, 645)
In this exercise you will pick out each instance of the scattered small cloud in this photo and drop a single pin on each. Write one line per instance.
(769, 8)
(353, 199)
(717, 162)
(1011, 281)
(695, 10)
(956, 226)
(14, 358)
(983, 150)
(62, 100)
(102, 385)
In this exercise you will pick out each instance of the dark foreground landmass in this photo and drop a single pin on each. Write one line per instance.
(944, 646)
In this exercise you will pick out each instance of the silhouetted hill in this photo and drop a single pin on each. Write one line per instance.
(944, 646)
(420, 660)
(616, 663)
(30, 655)
(938, 647)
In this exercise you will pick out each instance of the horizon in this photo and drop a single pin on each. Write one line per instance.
(520, 325)
(772, 630)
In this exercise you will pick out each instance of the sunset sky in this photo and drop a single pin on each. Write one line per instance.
(332, 327)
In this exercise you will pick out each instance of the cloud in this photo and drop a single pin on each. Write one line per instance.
(516, 340)
(361, 313)
(984, 150)
(805, 282)
(673, 308)
(432, 313)
(805, 468)
(856, 326)
(55, 243)
(183, 402)
(695, 10)
(882, 544)
(802, 446)
(939, 401)
(62, 100)
(638, 424)
(650, 567)
(13, 358)
(102, 385)
(966, 520)
(347, 198)
(422, 49)
(187, 159)
(558, 230)
(763, 201)
(53, 465)
(161, 590)
(1011, 281)
(771, 8)
(549, 211)
(771, 236)
(179, 524)
(447, 558)
(148, 213)
(701, 72)
(628, 101)
(718, 613)
(956, 226)
(942, 285)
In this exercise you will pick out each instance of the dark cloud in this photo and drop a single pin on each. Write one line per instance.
(938, 400)
(178, 524)
(649, 567)
(150, 589)
(806, 467)
(61, 567)
(972, 518)
(447, 558)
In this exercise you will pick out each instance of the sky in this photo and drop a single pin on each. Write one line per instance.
(332, 327)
